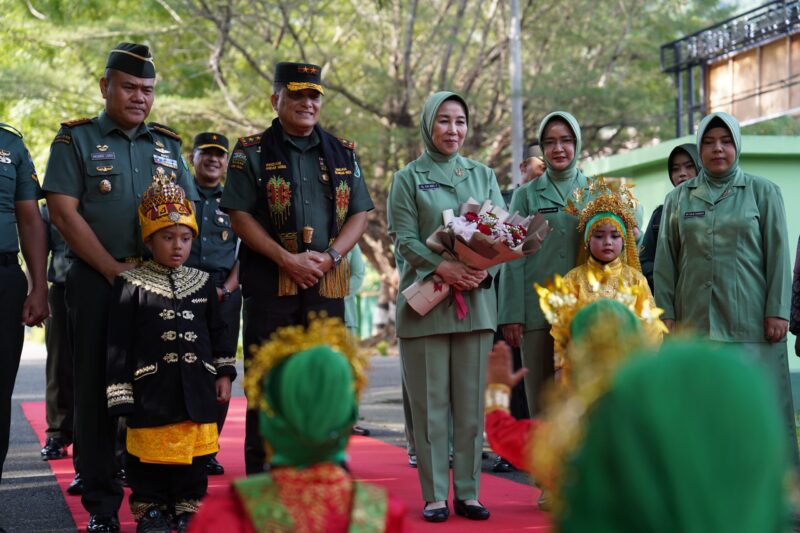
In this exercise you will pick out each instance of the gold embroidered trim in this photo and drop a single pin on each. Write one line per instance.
(199, 300)
(167, 314)
(210, 368)
(190, 357)
(119, 393)
(188, 315)
(160, 280)
(190, 336)
(171, 357)
(186, 506)
(145, 371)
(169, 336)
(223, 361)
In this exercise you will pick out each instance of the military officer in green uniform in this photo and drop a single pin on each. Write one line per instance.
(722, 265)
(523, 322)
(97, 172)
(298, 201)
(215, 247)
(23, 302)
(58, 395)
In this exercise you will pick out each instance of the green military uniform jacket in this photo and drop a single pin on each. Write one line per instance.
(214, 249)
(721, 268)
(519, 303)
(18, 182)
(94, 161)
(245, 190)
(416, 201)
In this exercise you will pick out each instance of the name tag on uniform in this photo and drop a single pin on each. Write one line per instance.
(103, 156)
(165, 161)
(545, 210)
(428, 186)
(694, 214)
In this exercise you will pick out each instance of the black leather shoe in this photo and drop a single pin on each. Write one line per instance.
(502, 466)
(102, 523)
(183, 522)
(75, 486)
(153, 521)
(213, 468)
(472, 512)
(54, 448)
(435, 515)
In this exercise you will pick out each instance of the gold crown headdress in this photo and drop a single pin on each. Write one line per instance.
(601, 198)
(290, 340)
(164, 204)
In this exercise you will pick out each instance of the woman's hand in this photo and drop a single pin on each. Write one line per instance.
(460, 275)
(513, 334)
(498, 367)
(775, 328)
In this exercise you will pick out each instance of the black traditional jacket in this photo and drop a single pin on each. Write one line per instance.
(165, 347)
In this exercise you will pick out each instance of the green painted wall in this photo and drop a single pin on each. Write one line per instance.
(774, 157)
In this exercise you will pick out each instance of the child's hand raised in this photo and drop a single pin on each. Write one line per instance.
(499, 367)
(223, 389)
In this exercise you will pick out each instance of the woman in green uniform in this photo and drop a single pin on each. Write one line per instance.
(444, 358)
(523, 321)
(722, 261)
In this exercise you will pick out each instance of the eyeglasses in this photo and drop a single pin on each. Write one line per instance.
(552, 143)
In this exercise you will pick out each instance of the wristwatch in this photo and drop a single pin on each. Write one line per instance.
(335, 256)
(225, 293)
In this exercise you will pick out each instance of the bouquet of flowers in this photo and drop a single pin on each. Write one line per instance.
(481, 236)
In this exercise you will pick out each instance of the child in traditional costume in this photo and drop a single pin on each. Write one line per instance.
(167, 364)
(306, 384)
(611, 270)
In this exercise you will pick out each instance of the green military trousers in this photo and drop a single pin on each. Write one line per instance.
(774, 358)
(537, 357)
(445, 376)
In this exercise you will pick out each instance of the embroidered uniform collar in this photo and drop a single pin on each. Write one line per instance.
(167, 282)
(209, 192)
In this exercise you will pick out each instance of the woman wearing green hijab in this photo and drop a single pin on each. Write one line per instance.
(682, 165)
(519, 312)
(444, 358)
(665, 452)
(722, 260)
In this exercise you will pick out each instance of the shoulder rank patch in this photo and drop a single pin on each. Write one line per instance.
(11, 129)
(164, 130)
(63, 137)
(350, 145)
(76, 122)
(250, 141)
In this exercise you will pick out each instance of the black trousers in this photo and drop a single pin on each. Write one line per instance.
(88, 297)
(13, 290)
(231, 311)
(261, 318)
(176, 488)
(59, 400)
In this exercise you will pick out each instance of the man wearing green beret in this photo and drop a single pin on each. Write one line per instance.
(23, 302)
(216, 246)
(298, 201)
(97, 172)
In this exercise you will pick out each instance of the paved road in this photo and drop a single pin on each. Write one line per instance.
(30, 500)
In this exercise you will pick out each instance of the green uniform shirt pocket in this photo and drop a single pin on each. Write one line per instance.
(103, 181)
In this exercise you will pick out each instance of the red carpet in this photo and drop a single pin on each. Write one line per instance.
(511, 504)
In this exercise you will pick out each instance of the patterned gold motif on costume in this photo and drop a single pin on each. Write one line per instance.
(167, 314)
(171, 357)
(119, 393)
(189, 357)
(190, 336)
(155, 278)
(187, 314)
(222, 361)
(145, 371)
(169, 336)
